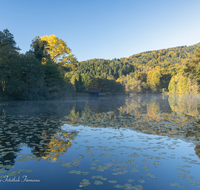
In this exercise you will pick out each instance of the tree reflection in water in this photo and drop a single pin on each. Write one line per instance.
(38, 124)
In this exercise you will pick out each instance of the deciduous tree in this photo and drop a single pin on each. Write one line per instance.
(57, 49)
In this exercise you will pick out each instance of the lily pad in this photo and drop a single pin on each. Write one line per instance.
(98, 182)
(119, 186)
(141, 181)
(67, 165)
(112, 181)
(95, 160)
(84, 183)
(138, 187)
(174, 184)
(84, 173)
(131, 180)
(190, 177)
(183, 186)
(128, 186)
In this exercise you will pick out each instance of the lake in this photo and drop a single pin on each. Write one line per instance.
(138, 142)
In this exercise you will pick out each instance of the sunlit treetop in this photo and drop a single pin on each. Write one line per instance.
(57, 49)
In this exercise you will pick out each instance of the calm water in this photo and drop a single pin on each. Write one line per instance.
(138, 142)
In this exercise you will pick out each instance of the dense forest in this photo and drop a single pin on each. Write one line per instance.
(49, 70)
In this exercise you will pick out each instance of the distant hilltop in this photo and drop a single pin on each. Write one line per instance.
(163, 56)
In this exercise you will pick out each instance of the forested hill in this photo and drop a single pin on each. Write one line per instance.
(147, 72)
(163, 56)
(49, 70)
(152, 58)
(123, 66)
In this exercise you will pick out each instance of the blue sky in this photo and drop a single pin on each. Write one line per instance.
(104, 28)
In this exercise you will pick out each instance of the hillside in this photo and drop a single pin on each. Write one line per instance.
(163, 57)
(149, 71)
(124, 66)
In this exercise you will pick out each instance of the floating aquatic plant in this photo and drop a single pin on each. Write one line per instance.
(67, 165)
(95, 160)
(75, 172)
(128, 186)
(93, 164)
(131, 180)
(174, 184)
(112, 181)
(141, 181)
(119, 186)
(134, 170)
(190, 177)
(84, 183)
(84, 173)
(181, 176)
(183, 186)
(98, 182)
(192, 183)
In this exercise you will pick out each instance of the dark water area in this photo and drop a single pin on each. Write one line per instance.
(137, 142)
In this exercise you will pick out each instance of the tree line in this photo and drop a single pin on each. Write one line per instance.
(49, 70)
(35, 74)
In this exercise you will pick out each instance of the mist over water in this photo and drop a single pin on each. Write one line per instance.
(136, 142)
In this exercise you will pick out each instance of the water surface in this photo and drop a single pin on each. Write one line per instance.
(138, 142)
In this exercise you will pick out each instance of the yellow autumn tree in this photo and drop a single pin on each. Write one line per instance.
(182, 85)
(172, 85)
(153, 79)
(57, 49)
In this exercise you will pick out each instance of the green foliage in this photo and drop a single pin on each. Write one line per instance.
(39, 50)
(33, 87)
(24, 77)
(131, 84)
(7, 42)
(172, 85)
(54, 80)
(162, 57)
(182, 83)
(187, 77)
(79, 84)
(9, 65)
(39, 74)
(104, 68)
